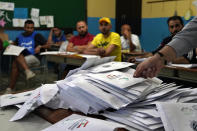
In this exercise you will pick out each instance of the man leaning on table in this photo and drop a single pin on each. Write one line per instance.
(106, 43)
(80, 42)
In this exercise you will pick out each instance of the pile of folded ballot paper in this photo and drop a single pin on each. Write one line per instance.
(102, 84)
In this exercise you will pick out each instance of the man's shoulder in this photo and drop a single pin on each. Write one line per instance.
(134, 35)
(114, 34)
(98, 36)
(90, 35)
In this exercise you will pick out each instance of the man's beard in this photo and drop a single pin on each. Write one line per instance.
(83, 34)
(173, 34)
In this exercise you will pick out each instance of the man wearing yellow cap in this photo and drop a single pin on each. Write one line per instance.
(105, 43)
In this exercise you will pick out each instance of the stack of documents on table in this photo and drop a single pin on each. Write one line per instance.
(143, 114)
(86, 92)
(90, 90)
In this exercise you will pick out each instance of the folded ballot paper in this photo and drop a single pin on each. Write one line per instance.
(178, 116)
(133, 100)
(12, 99)
(110, 66)
(39, 97)
(83, 123)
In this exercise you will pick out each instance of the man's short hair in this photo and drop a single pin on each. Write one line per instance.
(175, 18)
(81, 21)
(29, 22)
(68, 31)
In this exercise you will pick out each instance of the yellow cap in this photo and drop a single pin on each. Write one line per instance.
(105, 19)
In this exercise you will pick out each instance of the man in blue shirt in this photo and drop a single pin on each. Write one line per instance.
(56, 37)
(34, 43)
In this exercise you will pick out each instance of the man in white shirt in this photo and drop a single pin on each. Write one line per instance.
(129, 41)
(68, 35)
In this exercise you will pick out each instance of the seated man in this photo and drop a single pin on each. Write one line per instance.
(106, 43)
(175, 24)
(129, 41)
(56, 36)
(189, 58)
(68, 35)
(80, 42)
(34, 43)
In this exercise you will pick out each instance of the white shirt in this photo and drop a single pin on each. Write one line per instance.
(63, 46)
(135, 40)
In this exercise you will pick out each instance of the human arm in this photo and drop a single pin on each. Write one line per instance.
(50, 38)
(128, 35)
(181, 60)
(40, 43)
(152, 66)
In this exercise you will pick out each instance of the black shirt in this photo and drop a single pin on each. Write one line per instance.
(163, 43)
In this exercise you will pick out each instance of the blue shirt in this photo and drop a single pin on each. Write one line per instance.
(58, 39)
(28, 42)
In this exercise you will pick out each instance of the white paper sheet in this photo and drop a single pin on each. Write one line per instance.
(35, 12)
(12, 99)
(117, 78)
(36, 21)
(39, 97)
(7, 6)
(178, 116)
(13, 50)
(43, 20)
(50, 21)
(82, 123)
(110, 66)
(184, 65)
(18, 22)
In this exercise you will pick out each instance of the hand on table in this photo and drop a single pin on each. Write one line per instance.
(150, 67)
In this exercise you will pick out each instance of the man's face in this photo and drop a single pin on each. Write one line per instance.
(57, 32)
(125, 29)
(68, 36)
(29, 28)
(82, 28)
(174, 26)
(104, 27)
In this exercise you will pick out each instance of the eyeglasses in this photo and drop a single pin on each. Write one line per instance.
(172, 26)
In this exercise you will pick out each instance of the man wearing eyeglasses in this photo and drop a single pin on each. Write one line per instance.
(175, 24)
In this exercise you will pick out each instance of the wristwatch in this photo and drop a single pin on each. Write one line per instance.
(162, 57)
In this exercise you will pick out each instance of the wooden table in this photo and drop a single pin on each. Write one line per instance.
(127, 55)
(179, 73)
